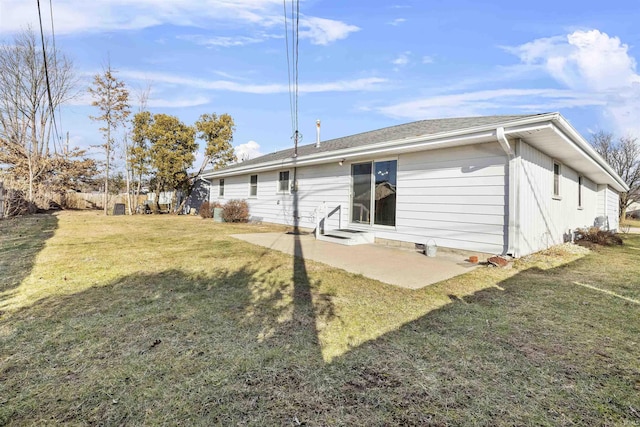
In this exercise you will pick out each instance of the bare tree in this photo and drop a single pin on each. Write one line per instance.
(112, 99)
(26, 110)
(623, 155)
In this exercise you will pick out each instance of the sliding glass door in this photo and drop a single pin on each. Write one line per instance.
(374, 193)
(361, 194)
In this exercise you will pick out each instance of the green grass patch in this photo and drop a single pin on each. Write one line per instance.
(159, 319)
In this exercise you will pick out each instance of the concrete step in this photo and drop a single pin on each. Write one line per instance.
(347, 237)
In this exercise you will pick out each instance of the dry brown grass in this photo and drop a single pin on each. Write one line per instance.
(168, 320)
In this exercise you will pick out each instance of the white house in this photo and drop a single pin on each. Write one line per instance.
(497, 184)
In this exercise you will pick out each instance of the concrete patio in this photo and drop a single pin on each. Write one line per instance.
(401, 267)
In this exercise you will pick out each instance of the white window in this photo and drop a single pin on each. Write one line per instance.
(283, 182)
(557, 172)
(253, 186)
(221, 188)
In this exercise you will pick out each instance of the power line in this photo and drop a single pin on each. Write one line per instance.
(55, 58)
(286, 40)
(46, 75)
(297, 56)
(292, 66)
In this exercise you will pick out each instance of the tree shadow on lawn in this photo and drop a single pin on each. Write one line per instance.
(241, 347)
(21, 240)
(161, 348)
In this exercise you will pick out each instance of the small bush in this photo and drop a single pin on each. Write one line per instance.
(599, 237)
(206, 210)
(235, 211)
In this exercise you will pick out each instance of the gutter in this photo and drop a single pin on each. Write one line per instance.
(513, 232)
(417, 141)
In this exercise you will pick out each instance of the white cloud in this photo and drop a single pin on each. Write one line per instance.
(397, 22)
(592, 68)
(427, 59)
(362, 84)
(402, 59)
(178, 102)
(228, 41)
(247, 151)
(323, 31)
(592, 62)
(484, 102)
(221, 41)
(107, 15)
(79, 16)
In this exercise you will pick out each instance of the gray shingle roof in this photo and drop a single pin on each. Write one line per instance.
(408, 130)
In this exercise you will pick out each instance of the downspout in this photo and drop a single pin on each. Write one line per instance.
(513, 215)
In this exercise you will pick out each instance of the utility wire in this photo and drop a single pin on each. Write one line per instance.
(292, 66)
(55, 58)
(286, 40)
(46, 74)
(297, 56)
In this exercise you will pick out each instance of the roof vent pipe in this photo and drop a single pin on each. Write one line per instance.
(317, 133)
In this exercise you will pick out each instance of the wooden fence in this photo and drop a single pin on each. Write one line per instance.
(96, 201)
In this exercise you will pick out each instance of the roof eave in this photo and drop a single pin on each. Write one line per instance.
(386, 146)
(588, 149)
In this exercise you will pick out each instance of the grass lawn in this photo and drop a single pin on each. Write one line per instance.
(169, 320)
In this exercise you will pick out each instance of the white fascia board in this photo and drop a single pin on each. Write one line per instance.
(441, 140)
(564, 128)
(556, 123)
(406, 145)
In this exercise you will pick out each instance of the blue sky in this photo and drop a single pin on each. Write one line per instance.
(363, 65)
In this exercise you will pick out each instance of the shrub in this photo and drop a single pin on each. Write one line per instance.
(235, 211)
(206, 210)
(597, 236)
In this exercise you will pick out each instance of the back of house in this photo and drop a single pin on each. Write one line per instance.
(494, 184)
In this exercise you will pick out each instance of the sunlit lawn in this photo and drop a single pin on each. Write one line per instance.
(169, 320)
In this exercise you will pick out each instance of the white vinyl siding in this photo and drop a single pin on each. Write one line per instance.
(323, 183)
(613, 208)
(545, 221)
(455, 196)
(609, 206)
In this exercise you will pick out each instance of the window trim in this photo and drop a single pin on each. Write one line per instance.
(252, 187)
(557, 195)
(278, 181)
(221, 188)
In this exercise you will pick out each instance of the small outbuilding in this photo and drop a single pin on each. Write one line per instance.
(496, 184)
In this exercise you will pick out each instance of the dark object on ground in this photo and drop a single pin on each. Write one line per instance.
(597, 236)
(497, 261)
(118, 209)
